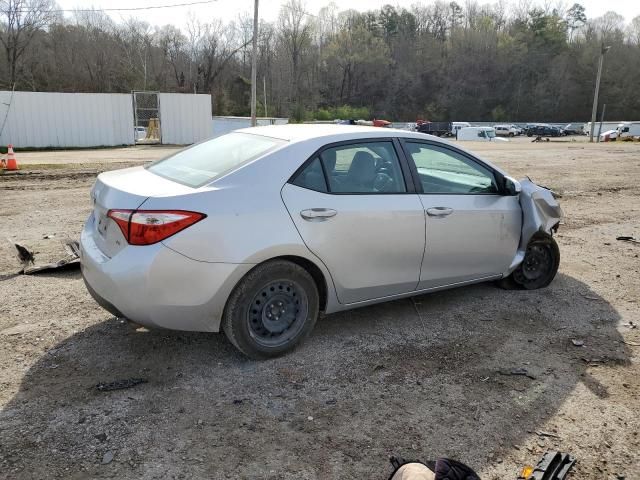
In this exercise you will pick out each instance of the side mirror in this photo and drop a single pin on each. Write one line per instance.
(512, 186)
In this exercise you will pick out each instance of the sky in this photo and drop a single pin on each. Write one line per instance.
(230, 9)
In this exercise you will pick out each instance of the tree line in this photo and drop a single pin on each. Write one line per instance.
(438, 61)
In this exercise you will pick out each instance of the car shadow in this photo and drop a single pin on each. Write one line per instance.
(424, 377)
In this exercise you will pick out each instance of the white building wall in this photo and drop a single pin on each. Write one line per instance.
(48, 119)
(185, 118)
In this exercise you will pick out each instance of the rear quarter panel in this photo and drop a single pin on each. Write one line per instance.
(247, 221)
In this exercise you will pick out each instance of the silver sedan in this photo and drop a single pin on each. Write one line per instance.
(257, 231)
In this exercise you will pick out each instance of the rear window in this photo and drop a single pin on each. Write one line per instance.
(204, 162)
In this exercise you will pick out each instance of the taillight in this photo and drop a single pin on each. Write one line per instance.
(145, 227)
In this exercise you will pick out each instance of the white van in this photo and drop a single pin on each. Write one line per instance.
(455, 126)
(628, 129)
(479, 134)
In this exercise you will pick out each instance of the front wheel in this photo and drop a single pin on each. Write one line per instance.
(272, 309)
(539, 267)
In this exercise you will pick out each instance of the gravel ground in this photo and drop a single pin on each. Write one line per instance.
(419, 378)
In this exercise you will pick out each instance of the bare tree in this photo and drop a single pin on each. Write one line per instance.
(21, 21)
(295, 32)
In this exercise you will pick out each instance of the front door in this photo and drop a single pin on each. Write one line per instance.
(472, 230)
(354, 211)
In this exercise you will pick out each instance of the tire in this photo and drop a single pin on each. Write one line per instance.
(508, 283)
(273, 308)
(529, 134)
(540, 264)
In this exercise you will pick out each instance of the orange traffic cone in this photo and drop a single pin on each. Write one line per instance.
(12, 163)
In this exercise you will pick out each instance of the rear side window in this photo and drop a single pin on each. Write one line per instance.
(204, 162)
(368, 167)
(312, 177)
(354, 168)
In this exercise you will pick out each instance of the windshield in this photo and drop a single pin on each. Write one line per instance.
(206, 161)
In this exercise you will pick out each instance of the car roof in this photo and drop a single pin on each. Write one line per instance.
(306, 131)
(330, 133)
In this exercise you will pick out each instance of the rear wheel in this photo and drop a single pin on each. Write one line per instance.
(273, 308)
(539, 267)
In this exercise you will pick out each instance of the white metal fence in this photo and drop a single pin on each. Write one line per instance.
(185, 118)
(49, 119)
(45, 119)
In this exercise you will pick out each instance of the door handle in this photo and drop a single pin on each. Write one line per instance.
(318, 214)
(439, 211)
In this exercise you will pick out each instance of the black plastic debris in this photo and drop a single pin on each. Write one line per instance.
(625, 238)
(552, 466)
(25, 256)
(120, 384)
(517, 371)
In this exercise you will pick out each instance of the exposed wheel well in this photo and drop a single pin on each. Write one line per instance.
(312, 269)
(316, 274)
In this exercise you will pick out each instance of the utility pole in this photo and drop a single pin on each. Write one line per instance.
(603, 50)
(264, 90)
(604, 107)
(254, 64)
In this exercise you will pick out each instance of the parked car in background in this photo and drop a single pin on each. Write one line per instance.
(257, 231)
(140, 133)
(479, 134)
(628, 129)
(544, 131)
(609, 135)
(506, 130)
(574, 129)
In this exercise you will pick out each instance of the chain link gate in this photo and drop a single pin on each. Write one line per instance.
(146, 112)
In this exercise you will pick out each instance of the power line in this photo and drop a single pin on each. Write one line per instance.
(129, 9)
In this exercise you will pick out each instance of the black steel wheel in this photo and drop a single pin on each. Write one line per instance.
(271, 310)
(277, 313)
(540, 264)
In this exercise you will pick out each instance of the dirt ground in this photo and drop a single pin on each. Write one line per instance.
(418, 378)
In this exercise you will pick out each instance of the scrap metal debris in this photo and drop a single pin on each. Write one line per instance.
(27, 258)
(120, 384)
(625, 238)
(577, 343)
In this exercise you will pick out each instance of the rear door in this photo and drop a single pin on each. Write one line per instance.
(472, 230)
(356, 211)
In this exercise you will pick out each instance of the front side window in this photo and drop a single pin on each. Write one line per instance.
(444, 171)
(204, 162)
(368, 167)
